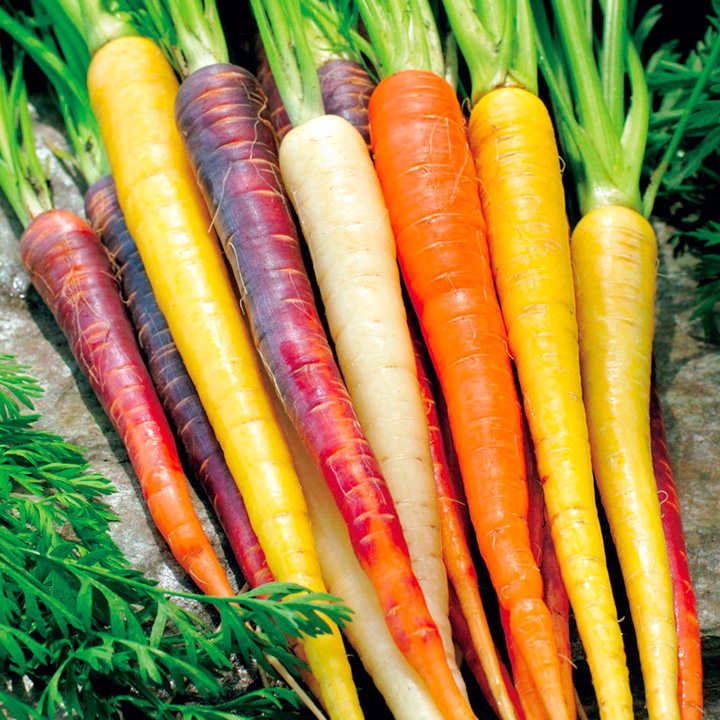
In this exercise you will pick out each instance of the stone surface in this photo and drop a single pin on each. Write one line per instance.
(688, 377)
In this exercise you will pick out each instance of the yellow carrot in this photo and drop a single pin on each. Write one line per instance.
(132, 91)
(614, 254)
(518, 168)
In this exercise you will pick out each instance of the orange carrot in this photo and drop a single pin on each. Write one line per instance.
(426, 172)
(455, 529)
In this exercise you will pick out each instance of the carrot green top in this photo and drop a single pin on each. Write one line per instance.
(404, 35)
(497, 40)
(603, 132)
(52, 39)
(284, 32)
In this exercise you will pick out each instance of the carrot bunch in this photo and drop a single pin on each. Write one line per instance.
(324, 454)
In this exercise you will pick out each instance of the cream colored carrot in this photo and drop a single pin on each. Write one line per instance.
(333, 186)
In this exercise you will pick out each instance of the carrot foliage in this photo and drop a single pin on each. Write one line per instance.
(496, 39)
(93, 637)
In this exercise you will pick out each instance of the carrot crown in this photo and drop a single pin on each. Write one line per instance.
(188, 31)
(604, 137)
(496, 38)
(404, 35)
(284, 32)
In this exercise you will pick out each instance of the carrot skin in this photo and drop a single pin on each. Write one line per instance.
(428, 179)
(463, 638)
(219, 111)
(346, 88)
(690, 673)
(517, 163)
(174, 386)
(73, 276)
(614, 255)
(470, 620)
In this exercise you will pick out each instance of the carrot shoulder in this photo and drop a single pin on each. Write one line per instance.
(73, 276)
(427, 175)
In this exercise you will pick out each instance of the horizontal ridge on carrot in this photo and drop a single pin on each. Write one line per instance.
(172, 382)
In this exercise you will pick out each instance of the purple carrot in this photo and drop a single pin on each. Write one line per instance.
(71, 272)
(173, 383)
(220, 111)
(690, 689)
(346, 88)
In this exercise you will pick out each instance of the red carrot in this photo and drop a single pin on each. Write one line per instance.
(690, 673)
(73, 276)
(463, 638)
(172, 382)
(455, 527)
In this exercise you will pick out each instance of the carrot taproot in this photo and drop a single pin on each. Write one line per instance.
(172, 382)
(73, 276)
(516, 158)
(428, 180)
(614, 253)
(312, 390)
(353, 255)
(690, 673)
(466, 644)
(167, 218)
(455, 528)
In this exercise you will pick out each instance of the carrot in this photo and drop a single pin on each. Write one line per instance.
(330, 179)
(425, 169)
(690, 675)
(466, 644)
(172, 382)
(479, 650)
(71, 273)
(516, 159)
(402, 688)
(167, 218)
(345, 85)
(614, 255)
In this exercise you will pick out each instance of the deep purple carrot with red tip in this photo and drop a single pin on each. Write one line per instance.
(70, 270)
(690, 673)
(172, 382)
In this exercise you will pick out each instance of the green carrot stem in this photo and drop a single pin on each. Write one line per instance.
(282, 29)
(101, 26)
(592, 110)
(404, 35)
(613, 60)
(199, 33)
